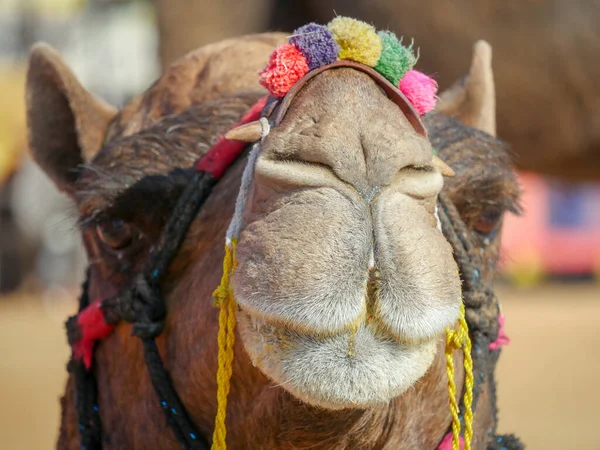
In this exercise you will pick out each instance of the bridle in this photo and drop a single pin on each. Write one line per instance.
(143, 304)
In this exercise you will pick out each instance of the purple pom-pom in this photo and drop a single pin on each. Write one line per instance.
(316, 44)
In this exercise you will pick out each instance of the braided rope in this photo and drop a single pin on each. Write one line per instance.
(457, 340)
(226, 339)
(176, 415)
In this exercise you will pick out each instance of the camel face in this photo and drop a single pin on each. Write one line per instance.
(344, 282)
(344, 279)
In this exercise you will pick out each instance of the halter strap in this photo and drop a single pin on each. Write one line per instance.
(277, 109)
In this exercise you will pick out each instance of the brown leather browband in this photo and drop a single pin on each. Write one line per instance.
(276, 109)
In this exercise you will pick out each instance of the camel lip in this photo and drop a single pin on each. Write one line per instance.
(259, 321)
(268, 326)
(356, 369)
(371, 312)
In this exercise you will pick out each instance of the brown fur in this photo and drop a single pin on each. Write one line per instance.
(52, 87)
(143, 142)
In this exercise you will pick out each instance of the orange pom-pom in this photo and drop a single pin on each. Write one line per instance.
(286, 66)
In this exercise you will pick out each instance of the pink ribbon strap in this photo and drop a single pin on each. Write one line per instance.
(446, 443)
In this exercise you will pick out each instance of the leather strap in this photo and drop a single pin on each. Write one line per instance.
(276, 109)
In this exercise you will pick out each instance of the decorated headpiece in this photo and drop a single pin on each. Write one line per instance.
(313, 46)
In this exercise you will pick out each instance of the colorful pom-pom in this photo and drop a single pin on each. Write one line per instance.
(420, 90)
(286, 66)
(358, 40)
(316, 44)
(313, 46)
(395, 59)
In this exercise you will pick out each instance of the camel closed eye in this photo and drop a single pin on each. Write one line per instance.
(415, 168)
(418, 182)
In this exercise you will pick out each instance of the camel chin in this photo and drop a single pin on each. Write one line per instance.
(359, 368)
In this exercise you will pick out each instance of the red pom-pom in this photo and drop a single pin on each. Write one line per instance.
(93, 327)
(420, 90)
(286, 66)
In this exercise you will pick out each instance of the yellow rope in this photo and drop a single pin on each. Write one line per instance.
(226, 340)
(456, 340)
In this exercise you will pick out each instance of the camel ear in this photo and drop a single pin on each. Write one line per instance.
(66, 124)
(472, 99)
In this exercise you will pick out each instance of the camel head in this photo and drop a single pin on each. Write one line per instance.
(344, 279)
(344, 282)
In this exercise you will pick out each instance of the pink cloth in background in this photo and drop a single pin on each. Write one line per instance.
(532, 242)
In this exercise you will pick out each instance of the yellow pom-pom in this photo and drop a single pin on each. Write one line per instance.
(358, 40)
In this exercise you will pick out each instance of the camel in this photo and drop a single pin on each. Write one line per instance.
(340, 246)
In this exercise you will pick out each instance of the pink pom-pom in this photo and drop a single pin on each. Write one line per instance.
(420, 90)
(446, 443)
(502, 338)
(286, 66)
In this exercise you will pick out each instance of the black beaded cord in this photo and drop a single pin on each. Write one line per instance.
(149, 320)
(177, 416)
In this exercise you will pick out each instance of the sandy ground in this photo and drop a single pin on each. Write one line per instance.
(549, 377)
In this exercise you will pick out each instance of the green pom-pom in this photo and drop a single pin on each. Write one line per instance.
(395, 59)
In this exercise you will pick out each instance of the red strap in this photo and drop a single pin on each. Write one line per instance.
(225, 152)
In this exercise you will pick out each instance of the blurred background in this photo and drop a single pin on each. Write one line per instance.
(547, 67)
